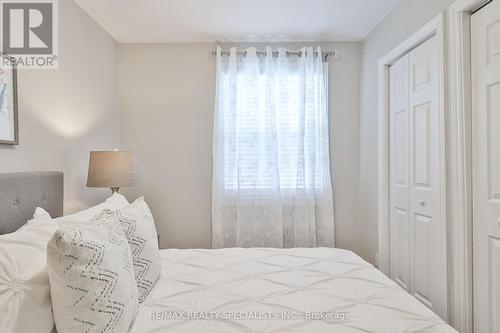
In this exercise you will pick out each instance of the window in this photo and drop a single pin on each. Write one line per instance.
(275, 128)
(271, 184)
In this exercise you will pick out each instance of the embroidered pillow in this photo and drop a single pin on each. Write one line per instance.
(91, 276)
(138, 224)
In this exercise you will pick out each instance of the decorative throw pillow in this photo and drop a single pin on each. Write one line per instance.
(138, 224)
(91, 275)
(24, 285)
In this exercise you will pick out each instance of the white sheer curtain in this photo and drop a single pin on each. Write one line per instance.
(271, 169)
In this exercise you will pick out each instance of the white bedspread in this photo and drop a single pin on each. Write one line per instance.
(278, 290)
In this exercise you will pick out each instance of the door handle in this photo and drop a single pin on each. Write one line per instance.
(421, 203)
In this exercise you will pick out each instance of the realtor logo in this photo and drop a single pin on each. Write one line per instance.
(27, 28)
(29, 32)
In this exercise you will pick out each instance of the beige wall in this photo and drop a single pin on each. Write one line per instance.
(166, 100)
(166, 103)
(406, 18)
(65, 113)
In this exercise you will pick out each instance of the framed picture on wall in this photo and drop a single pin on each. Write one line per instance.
(9, 131)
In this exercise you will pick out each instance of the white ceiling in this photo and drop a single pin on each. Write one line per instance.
(237, 20)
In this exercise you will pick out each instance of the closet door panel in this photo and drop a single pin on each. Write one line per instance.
(400, 177)
(421, 118)
(485, 60)
(427, 251)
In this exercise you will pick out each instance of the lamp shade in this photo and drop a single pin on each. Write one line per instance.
(112, 169)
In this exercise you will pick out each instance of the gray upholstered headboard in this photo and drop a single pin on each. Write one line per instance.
(21, 193)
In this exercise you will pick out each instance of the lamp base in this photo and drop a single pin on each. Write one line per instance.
(115, 189)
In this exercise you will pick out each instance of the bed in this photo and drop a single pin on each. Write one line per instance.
(249, 290)
(278, 290)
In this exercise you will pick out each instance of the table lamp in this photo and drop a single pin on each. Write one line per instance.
(113, 169)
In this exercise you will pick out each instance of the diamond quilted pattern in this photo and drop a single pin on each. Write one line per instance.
(299, 281)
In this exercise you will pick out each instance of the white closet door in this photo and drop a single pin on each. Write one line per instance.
(428, 265)
(418, 223)
(485, 34)
(399, 175)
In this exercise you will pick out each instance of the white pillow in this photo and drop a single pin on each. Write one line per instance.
(114, 202)
(41, 214)
(91, 275)
(138, 224)
(24, 285)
